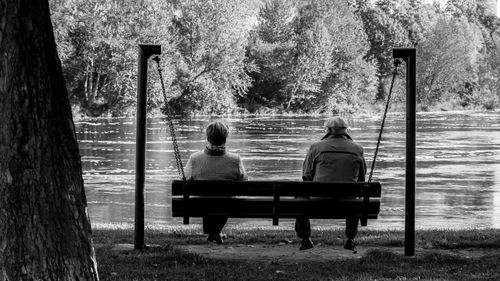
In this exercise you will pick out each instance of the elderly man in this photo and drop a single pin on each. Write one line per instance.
(335, 158)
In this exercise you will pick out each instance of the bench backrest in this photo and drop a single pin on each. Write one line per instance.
(276, 199)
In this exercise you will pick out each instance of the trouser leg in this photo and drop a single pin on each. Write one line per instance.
(351, 227)
(303, 227)
(213, 224)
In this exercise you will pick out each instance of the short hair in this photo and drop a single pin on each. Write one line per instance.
(217, 133)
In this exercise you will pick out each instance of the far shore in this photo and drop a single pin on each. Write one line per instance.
(157, 114)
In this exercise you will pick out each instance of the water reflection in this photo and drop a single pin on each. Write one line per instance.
(458, 167)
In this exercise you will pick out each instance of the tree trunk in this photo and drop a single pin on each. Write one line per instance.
(90, 83)
(97, 82)
(45, 232)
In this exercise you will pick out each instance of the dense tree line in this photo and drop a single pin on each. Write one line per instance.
(314, 56)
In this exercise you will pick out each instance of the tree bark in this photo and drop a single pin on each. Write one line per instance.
(97, 82)
(89, 91)
(45, 232)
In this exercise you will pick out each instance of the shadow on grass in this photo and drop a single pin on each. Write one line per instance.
(427, 239)
(165, 262)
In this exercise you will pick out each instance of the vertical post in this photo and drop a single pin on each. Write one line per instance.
(145, 51)
(276, 204)
(409, 56)
(187, 207)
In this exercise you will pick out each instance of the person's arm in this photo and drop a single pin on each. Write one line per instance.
(243, 174)
(308, 166)
(188, 170)
(362, 168)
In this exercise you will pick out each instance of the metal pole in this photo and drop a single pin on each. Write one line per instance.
(145, 51)
(409, 56)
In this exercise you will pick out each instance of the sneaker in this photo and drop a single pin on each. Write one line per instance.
(306, 244)
(350, 245)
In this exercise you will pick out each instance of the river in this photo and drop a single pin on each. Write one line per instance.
(457, 168)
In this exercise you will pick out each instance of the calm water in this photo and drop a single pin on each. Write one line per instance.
(458, 164)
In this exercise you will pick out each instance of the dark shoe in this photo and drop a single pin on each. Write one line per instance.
(306, 244)
(350, 245)
(218, 238)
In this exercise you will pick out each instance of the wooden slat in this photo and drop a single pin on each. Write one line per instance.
(263, 208)
(276, 199)
(282, 188)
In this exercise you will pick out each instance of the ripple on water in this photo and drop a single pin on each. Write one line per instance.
(458, 170)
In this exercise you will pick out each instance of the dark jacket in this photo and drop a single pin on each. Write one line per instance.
(334, 158)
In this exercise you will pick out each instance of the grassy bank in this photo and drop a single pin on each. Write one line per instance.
(436, 258)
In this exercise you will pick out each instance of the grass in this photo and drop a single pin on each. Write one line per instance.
(166, 262)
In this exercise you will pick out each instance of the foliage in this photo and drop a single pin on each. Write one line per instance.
(270, 47)
(209, 41)
(99, 47)
(351, 82)
(484, 91)
(384, 32)
(310, 56)
(448, 58)
(292, 55)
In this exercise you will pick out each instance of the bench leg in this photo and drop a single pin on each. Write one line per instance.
(364, 221)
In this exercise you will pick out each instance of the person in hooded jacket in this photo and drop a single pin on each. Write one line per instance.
(336, 157)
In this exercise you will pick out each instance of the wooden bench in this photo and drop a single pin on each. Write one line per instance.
(276, 199)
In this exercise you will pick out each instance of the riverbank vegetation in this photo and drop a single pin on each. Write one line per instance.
(437, 256)
(274, 56)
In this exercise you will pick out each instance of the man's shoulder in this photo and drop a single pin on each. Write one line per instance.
(345, 142)
(317, 144)
(356, 144)
(356, 148)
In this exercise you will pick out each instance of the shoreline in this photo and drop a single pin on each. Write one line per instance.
(178, 226)
(79, 117)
